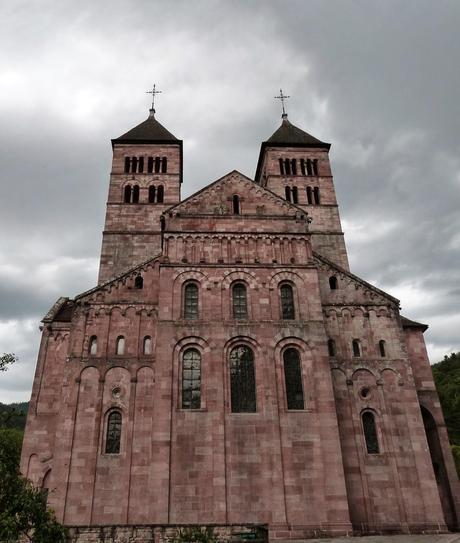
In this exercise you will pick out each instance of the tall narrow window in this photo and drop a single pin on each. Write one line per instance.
(127, 194)
(294, 166)
(120, 346)
(150, 164)
(93, 346)
(293, 379)
(316, 195)
(240, 303)
(157, 164)
(356, 348)
(160, 194)
(287, 166)
(236, 204)
(302, 166)
(139, 282)
(164, 165)
(309, 167)
(331, 347)
(136, 194)
(152, 194)
(113, 439)
(287, 302)
(295, 195)
(309, 195)
(287, 192)
(370, 432)
(242, 380)
(191, 379)
(281, 166)
(333, 282)
(147, 345)
(191, 301)
(382, 349)
(134, 164)
(141, 164)
(127, 164)
(315, 166)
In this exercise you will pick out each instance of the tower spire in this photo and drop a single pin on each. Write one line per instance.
(282, 97)
(153, 92)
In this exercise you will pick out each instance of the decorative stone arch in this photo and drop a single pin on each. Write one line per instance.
(179, 281)
(358, 312)
(398, 377)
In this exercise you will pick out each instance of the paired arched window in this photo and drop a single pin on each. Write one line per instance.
(152, 194)
(147, 345)
(139, 282)
(239, 301)
(236, 204)
(242, 380)
(309, 166)
(287, 302)
(356, 345)
(131, 194)
(113, 437)
(160, 194)
(156, 194)
(370, 432)
(331, 347)
(120, 346)
(93, 345)
(292, 194)
(191, 379)
(293, 379)
(191, 301)
(382, 349)
(333, 284)
(313, 195)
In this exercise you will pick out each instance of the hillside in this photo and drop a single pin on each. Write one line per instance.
(13, 415)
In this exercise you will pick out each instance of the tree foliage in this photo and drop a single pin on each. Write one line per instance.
(6, 360)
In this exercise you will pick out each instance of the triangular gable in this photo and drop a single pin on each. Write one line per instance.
(216, 199)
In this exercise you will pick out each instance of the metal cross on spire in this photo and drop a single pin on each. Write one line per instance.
(282, 97)
(153, 92)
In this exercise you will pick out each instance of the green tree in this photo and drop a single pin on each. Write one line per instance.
(6, 360)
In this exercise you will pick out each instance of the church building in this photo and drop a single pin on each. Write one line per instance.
(229, 370)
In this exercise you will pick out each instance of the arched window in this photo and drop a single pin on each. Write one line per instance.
(356, 348)
(136, 194)
(236, 204)
(315, 166)
(287, 166)
(147, 346)
(134, 164)
(295, 195)
(127, 194)
(281, 166)
(120, 348)
(309, 167)
(141, 164)
(240, 302)
(316, 195)
(370, 432)
(160, 194)
(157, 164)
(293, 379)
(242, 380)
(113, 439)
(150, 164)
(127, 164)
(309, 195)
(164, 165)
(191, 301)
(294, 166)
(139, 282)
(382, 349)
(333, 282)
(152, 194)
(287, 192)
(287, 302)
(93, 345)
(331, 347)
(191, 379)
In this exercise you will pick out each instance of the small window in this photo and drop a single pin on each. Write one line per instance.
(295, 195)
(302, 166)
(333, 282)
(147, 345)
(242, 380)
(281, 166)
(160, 194)
(309, 167)
(127, 194)
(93, 346)
(382, 349)
(191, 301)
(294, 166)
(331, 347)
(287, 192)
(164, 165)
(136, 194)
(150, 164)
(287, 166)
(316, 195)
(236, 204)
(287, 302)
(113, 439)
(134, 164)
(139, 282)
(141, 164)
(315, 166)
(370, 432)
(152, 194)
(309, 195)
(120, 347)
(191, 379)
(127, 164)
(239, 299)
(157, 164)
(356, 348)
(293, 379)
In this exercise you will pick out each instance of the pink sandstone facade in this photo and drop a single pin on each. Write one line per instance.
(229, 369)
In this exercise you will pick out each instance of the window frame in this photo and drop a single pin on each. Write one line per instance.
(235, 385)
(235, 285)
(191, 349)
(113, 411)
(287, 392)
(366, 436)
(282, 287)
(117, 343)
(186, 286)
(92, 341)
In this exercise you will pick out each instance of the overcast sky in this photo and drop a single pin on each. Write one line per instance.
(379, 80)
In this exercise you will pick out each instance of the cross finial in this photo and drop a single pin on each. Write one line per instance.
(282, 97)
(153, 92)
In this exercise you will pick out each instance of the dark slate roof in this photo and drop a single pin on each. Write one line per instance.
(407, 323)
(288, 134)
(149, 131)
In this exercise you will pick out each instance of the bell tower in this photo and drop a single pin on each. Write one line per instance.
(295, 165)
(145, 180)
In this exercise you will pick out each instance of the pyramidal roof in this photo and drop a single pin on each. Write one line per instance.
(288, 134)
(149, 131)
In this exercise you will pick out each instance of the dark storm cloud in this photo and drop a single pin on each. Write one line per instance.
(378, 80)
